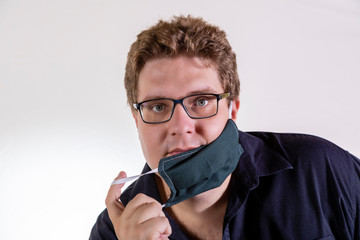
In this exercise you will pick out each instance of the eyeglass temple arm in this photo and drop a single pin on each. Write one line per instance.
(224, 95)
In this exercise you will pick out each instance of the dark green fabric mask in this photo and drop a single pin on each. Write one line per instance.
(198, 170)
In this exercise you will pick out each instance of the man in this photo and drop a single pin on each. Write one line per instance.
(214, 182)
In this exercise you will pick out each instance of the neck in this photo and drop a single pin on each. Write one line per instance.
(205, 209)
(201, 203)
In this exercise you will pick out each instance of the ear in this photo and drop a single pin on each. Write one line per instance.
(234, 109)
(135, 118)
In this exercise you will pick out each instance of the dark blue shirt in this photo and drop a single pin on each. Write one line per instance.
(286, 186)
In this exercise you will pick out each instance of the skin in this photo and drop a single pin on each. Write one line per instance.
(143, 217)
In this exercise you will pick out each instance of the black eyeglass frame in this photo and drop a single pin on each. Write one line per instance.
(218, 98)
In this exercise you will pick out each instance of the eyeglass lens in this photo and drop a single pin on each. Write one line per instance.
(197, 106)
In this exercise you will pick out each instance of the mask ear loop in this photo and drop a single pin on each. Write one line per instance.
(230, 110)
(124, 180)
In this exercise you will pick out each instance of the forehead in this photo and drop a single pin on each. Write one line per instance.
(177, 77)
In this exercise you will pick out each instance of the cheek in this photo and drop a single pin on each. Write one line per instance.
(213, 127)
(151, 143)
(211, 133)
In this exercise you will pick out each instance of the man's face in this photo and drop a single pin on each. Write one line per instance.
(176, 78)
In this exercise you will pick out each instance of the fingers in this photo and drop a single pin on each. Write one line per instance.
(157, 228)
(144, 215)
(114, 206)
(142, 218)
(115, 190)
(143, 208)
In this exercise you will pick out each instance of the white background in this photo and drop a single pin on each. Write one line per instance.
(65, 128)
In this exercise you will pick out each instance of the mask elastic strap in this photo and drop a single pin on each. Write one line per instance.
(230, 110)
(124, 180)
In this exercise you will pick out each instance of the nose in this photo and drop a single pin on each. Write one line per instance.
(181, 123)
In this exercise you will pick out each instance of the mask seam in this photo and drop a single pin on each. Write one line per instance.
(176, 157)
(171, 159)
(185, 155)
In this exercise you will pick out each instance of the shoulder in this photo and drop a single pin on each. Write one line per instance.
(318, 163)
(315, 159)
(323, 181)
(307, 149)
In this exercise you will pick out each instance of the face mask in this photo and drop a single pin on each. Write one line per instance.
(198, 170)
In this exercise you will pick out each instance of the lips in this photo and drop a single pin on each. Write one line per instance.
(178, 151)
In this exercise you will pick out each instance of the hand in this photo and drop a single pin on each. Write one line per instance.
(141, 219)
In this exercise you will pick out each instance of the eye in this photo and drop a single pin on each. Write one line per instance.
(158, 108)
(202, 102)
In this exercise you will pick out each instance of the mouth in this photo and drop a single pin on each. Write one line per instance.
(178, 151)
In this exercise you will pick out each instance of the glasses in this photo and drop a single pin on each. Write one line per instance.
(197, 106)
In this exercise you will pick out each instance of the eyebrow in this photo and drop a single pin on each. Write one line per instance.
(202, 91)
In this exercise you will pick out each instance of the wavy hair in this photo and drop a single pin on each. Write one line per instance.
(182, 35)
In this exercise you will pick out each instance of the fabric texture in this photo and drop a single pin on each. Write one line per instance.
(285, 186)
(216, 162)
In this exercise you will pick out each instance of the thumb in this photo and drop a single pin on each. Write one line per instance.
(112, 201)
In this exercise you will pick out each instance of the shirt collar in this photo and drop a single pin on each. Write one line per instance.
(263, 155)
(265, 152)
